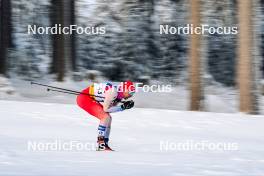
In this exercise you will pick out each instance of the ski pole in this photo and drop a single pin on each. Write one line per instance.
(62, 90)
(72, 93)
(68, 91)
(44, 85)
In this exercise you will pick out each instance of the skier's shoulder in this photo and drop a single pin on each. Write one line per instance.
(105, 86)
(110, 88)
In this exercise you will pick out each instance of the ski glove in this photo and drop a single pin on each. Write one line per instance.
(127, 105)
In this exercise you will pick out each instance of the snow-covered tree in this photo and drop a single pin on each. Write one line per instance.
(30, 57)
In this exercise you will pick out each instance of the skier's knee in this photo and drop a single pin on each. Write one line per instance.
(105, 117)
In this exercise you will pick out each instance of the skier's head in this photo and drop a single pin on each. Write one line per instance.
(128, 89)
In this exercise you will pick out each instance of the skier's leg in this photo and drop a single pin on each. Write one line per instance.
(105, 124)
(104, 132)
(102, 126)
(96, 109)
(91, 106)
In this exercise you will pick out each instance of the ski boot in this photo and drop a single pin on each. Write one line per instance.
(103, 144)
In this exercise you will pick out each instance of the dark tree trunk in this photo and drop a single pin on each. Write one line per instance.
(58, 63)
(69, 40)
(5, 33)
(262, 45)
(53, 22)
(73, 41)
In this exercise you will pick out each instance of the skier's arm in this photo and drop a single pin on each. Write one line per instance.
(110, 95)
(125, 105)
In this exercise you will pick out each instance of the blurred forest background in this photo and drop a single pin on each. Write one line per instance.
(132, 47)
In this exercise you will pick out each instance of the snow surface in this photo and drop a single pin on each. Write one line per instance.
(136, 136)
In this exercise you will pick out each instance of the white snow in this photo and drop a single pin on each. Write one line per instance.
(6, 90)
(136, 137)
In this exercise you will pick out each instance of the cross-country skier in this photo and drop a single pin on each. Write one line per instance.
(104, 99)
